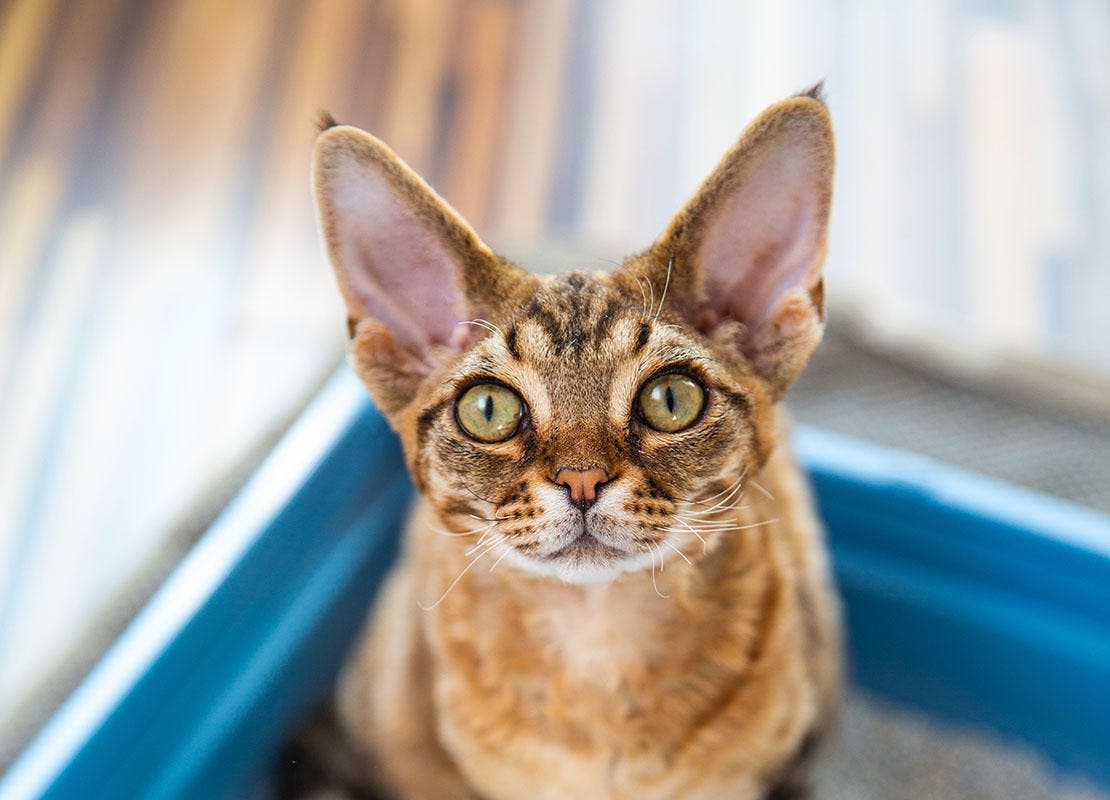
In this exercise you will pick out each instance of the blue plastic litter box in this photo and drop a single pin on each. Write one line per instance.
(973, 600)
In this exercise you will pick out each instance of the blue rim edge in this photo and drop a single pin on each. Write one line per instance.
(974, 600)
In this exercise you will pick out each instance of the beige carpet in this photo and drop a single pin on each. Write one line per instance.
(887, 753)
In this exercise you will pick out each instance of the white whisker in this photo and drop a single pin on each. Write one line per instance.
(481, 541)
(492, 326)
(666, 285)
(709, 526)
(443, 532)
(500, 557)
(726, 490)
(704, 544)
(644, 311)
(725, 528)
(766, 493)
(683, 555)
(459, 577)
(654, 584)
(732, 506)
(480, 323)
(726, 500)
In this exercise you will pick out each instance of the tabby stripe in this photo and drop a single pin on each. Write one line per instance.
(510, 342)
(605, 323)
(424, 424)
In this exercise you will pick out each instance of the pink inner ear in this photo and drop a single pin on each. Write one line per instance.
(764, 239)
(395, 267)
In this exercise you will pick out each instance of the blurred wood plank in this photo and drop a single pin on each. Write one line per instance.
(424, 30)
(89, 37)
(375, 55)
(32, 623)
(473, 136)
(27, 209)
(282, 237)
(192, 90)
(539, 70)
(24, 29)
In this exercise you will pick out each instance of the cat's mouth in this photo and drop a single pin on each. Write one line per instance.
(587, 547)
(585, 556)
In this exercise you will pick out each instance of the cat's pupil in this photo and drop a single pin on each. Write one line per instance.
(487, 407)
(669, 398)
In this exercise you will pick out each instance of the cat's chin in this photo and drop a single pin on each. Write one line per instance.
(585, 560)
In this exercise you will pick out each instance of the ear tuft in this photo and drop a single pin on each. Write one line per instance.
(324, 120)
(814, 92)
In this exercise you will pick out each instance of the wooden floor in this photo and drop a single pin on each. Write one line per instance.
(163, 300)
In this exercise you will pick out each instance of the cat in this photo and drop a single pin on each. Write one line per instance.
(613, 583)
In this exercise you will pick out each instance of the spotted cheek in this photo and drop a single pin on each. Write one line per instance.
(455, 465)
(677, 467)
(628, 516)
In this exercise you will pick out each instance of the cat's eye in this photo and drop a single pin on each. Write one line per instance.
(489, 412)
(671, 402)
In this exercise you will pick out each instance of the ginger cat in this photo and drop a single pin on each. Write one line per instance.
(613, 584)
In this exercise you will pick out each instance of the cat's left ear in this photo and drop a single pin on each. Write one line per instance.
(746, 251)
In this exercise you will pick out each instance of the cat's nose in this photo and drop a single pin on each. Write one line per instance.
(582, 484)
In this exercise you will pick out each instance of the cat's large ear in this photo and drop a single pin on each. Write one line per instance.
(746, 251)
(410, 269)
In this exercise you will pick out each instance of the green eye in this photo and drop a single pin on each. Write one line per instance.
(489, 412)
(671, 402)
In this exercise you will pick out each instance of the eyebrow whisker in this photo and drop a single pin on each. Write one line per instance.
(666, 285)
(644, 310)
(483, 323)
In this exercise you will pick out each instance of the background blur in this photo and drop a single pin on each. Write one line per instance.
(165, 309)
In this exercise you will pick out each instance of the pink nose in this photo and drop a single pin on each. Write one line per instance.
(582, 485)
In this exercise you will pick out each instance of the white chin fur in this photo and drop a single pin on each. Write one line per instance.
(564, 523)
(580, 570)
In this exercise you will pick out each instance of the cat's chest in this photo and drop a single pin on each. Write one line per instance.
(603, 638)
(611, 691)
(581, 663)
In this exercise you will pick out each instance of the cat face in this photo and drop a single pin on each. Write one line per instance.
(582, 425)
(583, 379)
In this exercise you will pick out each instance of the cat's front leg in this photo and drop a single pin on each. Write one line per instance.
(385, 703)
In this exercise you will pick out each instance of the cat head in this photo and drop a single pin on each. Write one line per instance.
(581, 421)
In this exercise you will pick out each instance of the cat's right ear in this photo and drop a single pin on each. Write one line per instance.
(747, 249)
(409, 267)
